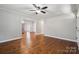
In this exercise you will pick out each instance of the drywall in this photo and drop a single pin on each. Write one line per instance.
(78, 31)
(10, 24)
(61, 26)
(40, 26)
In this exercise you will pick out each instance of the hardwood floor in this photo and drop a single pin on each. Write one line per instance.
(40, 44)
(10, 47)
(36, 44)
(60, 46)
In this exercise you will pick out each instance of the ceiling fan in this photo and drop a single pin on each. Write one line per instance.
(39, 9)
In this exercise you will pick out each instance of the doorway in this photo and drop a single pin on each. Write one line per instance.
(28, 33)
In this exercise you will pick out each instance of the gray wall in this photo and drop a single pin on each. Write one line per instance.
(60, 26)
(78, 28)
(10, 25)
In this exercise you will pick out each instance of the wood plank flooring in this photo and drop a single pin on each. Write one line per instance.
(40, 44)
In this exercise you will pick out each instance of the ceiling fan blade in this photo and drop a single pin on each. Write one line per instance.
(44, 7)
(35, 5)
(43, 12)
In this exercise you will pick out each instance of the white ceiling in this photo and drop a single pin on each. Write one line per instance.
(52, 11)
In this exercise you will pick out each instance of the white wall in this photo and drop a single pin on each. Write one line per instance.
(40, 26)
(10, 24)
(61, 26)
(78, 31)
(78, 27)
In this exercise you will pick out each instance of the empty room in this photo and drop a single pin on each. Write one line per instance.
(39, 29)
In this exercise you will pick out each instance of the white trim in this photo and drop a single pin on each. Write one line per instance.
(59, 38)
(39, 33)
(10, 39)
(63, 38)
(45, 35)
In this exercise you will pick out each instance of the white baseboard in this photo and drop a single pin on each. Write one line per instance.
(63, 38)
(10, 39)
